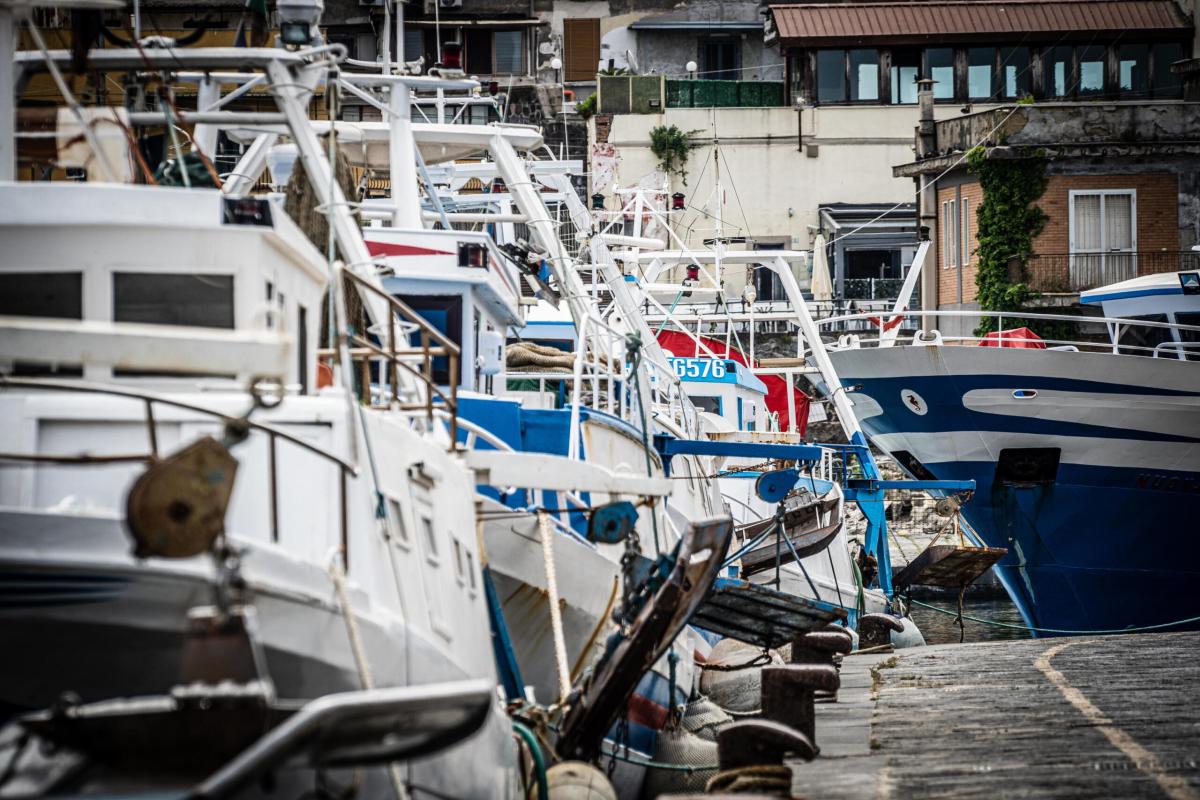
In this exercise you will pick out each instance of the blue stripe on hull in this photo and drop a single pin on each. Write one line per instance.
(1101, 549)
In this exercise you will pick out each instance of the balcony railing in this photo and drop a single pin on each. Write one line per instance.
(1061, 273)
(872, 288)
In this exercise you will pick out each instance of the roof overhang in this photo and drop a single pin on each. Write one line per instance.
(663, 24)
(961, 21)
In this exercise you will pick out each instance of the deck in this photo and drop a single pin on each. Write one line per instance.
(1115, 716)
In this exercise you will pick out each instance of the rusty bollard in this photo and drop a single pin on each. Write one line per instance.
(751, 754)
(789, 695)
(875, 630)
(820, 647)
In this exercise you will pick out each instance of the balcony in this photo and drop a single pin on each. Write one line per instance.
(872, 288)
(1066, 273)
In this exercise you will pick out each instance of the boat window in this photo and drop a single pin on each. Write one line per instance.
(430, 539)
(1140, 340)
(460, 567)
(709, 404)
(202, 301)
(1189, 318)
(398, 521)
(443, 312)
(42, 294)
(471, 570)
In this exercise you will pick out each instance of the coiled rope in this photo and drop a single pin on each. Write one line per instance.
(1014, 626)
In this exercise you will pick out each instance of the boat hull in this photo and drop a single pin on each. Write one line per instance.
(1087, 468)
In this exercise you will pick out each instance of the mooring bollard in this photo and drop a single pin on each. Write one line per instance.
(789, 695)
(820, 647)
(875, 630)
(751, 755)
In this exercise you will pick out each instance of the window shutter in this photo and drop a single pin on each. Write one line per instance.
(582, 44)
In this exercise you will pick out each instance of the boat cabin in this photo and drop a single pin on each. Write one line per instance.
(726, 388)
(1169, 298)
(168, 283)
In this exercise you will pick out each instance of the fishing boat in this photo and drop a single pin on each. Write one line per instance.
(1085, 449)
(148, 328)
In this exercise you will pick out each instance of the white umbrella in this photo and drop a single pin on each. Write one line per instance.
(822, 286)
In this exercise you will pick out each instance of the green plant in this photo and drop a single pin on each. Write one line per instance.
(1007, 223)
(671, 147)
(1025, 100)
(586, 107)
(611, 72)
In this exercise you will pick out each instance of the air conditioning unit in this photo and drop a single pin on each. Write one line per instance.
(450, 3)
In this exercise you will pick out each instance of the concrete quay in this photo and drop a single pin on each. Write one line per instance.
(1103, 717)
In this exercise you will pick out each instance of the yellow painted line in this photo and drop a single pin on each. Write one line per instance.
(1174, 786)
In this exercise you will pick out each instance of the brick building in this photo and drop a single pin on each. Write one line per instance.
(1122, 195)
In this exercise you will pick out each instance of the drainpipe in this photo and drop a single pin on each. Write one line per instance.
(927, 214)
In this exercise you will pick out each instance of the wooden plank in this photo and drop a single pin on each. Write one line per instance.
(948, 565)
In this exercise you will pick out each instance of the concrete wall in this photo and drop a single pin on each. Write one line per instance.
(844, 154)
(667, 53)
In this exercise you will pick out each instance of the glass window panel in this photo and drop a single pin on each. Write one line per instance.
(1087, 223)
(508, 49)
(204, 301)
(1091, 70)
(966, 230)
(1118, 222)
(831, 76)
(1166, 83)
(1133, 71)
(940, 62)
(414, 43)
(1058, 71)
(981, 63)
(42, 294)
(1015, 73)
(864, 74)
(906, 67)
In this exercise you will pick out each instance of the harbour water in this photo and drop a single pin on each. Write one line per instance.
(942, 628)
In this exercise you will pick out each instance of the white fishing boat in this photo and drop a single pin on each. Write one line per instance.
(140, 319)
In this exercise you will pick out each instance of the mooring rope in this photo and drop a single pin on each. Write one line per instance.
(1014, 626)
(556, 627)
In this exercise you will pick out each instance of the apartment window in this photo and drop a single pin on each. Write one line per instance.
(939, 65)
(414, 44)
(1091, 70)
(949, 234)
(831, 76)
(1015, 80)
(906, 68)
(1166, 83)
(965, 227)
(981, 69)
(494, 52)
(1103, 236)
(721, 59)
(1133, 69)
(1057, 69)
(864, 75)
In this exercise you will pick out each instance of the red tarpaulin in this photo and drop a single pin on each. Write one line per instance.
(684, 346)
(1016, 337)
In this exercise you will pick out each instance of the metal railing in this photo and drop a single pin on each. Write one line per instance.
(872, 288)
(394, 358)
(149, 400)
(1116, 327)
(1064, 273)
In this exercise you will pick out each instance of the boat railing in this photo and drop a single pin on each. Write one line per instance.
(395, 358)
(1115, 327)
(149, 401)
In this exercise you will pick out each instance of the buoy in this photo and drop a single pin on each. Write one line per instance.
(575, 780)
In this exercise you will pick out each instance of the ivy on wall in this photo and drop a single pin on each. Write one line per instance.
(1008, 221)
(671, 146)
